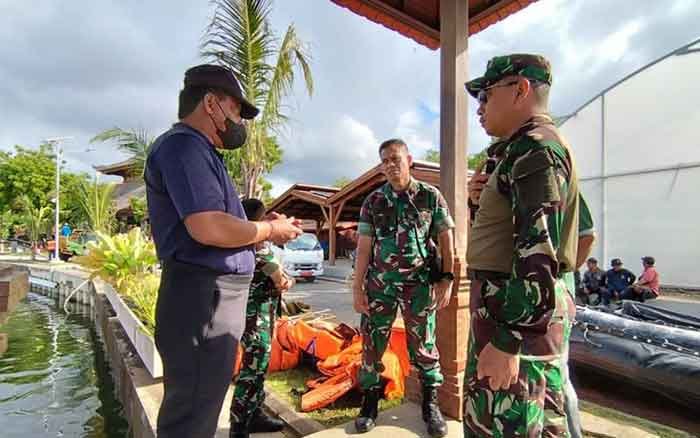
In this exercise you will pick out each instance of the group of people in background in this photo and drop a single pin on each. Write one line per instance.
(618, 283)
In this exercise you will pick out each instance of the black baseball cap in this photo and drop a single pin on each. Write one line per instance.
(221, 78)
(616, 262)
(649, 260)
(592, 260)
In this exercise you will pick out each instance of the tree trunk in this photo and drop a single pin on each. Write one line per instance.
(250, 182)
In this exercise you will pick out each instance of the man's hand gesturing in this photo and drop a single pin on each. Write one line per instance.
(284, 229)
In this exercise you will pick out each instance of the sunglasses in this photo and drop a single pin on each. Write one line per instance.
(483, 95)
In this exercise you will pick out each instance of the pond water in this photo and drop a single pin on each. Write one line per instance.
(54, 378)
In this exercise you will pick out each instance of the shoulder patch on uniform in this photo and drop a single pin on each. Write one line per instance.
(532, 162)
(535, 180)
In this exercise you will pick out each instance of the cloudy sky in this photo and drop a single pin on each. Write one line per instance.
(75, 68)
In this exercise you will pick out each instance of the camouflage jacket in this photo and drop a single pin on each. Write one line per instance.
(538, 176)
(402, 226)
(262, 286)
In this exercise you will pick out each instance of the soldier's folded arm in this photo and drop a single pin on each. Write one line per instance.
(525, 303)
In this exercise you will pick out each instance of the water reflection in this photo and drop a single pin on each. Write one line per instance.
(54, 380)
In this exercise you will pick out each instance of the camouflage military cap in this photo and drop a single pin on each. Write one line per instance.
(533, 67)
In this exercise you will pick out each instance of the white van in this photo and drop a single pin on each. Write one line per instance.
(301, 257)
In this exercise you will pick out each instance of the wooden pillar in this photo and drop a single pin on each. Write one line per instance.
(453, 321)
(335, 211)
(327, 218)
(331, 236)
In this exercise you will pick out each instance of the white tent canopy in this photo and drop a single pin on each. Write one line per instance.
(637, 146)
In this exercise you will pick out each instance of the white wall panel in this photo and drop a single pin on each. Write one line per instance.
(655, 214)
(583, 132)
(651, 121)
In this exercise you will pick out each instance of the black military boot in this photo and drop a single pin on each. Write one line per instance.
(238, 430)
(261, 422)
(431, 413)
(368, 412)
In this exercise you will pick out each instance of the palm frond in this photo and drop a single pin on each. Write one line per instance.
(292, 53)
(137, 143)
(37, 219)
(96, 201)
(239, 38)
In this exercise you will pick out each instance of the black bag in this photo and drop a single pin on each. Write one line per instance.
(432, 260)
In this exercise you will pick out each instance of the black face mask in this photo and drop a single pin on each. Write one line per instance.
(235, 134)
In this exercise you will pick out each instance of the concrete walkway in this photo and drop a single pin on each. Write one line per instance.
(223, 429)
(405, 422)
(400, 422)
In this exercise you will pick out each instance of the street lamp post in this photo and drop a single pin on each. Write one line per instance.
(56, 141)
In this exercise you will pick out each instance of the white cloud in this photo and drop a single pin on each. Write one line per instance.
(357, 139)
(617, 44)
(682, 7)
(416, 133)
(279, 185)
(537, 15)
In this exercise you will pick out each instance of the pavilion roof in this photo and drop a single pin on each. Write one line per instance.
(305, 201)
(420, 19)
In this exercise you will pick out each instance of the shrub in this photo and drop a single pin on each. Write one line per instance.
(127, 261)
(141, 294)
(116, 258)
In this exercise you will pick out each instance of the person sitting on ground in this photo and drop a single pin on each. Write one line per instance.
(617, 280)
(594, 282)
(269, 282)
(647, 287)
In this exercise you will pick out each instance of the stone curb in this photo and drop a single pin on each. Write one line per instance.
(298, 422)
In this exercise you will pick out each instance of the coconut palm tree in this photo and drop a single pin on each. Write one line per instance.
(37, 220)
(98, 205)
(240, 37)
(137, 143)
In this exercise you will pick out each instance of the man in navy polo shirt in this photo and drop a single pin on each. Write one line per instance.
(205, 244)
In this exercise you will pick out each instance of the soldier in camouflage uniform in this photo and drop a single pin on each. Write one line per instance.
(522, 249)
(586, 238)
(266, 288)
(399, 225)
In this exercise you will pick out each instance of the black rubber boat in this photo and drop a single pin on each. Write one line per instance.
(654, 346)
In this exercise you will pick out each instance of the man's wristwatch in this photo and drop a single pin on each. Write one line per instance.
(447, 276)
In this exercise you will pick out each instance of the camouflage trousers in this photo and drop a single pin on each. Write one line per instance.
(386, 293)
(532, 407)
(256, 342)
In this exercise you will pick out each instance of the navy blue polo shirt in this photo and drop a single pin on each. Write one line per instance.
(184, 175)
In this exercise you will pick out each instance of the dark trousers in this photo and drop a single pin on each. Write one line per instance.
(199, 319)
(596, 296)
(607, 295)
(644, 294)
(573, 418)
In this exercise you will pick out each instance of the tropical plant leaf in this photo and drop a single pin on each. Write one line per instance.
(136, 143)
(240, 37)
(97, 203)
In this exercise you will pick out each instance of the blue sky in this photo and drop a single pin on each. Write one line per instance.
(76, 68)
